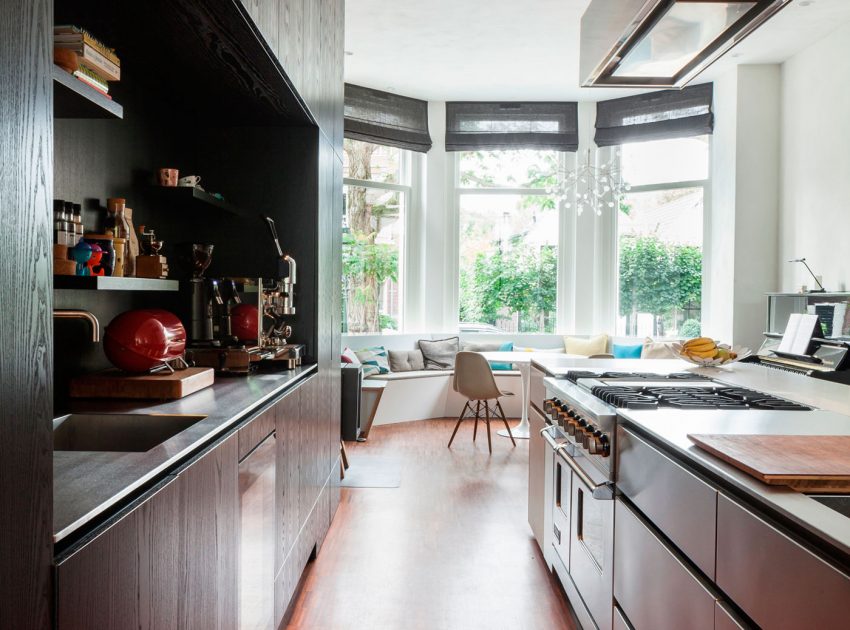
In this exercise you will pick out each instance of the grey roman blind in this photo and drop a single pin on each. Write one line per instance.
(385, 118)
(655, 116)
(474, 126)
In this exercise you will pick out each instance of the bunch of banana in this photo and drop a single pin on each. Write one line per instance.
(700, 348)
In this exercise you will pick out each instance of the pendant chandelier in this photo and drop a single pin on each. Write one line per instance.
(593, 187)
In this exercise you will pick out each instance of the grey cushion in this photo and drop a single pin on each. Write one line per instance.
(439, 353)
(406, 360)
(471, 346)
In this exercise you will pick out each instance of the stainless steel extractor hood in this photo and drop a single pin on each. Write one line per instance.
(662, 43)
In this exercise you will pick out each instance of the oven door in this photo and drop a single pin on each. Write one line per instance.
(591, 537)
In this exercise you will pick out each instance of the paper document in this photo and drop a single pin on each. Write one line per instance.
(798, 334)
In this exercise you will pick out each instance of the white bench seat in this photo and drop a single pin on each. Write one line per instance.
(426, 394)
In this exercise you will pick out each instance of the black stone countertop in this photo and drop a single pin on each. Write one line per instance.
(87, 484)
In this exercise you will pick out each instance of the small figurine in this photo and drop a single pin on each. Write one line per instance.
(94, 266)
(80, 254)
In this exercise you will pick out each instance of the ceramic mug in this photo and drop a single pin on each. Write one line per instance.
(168, 176)
(190, 181)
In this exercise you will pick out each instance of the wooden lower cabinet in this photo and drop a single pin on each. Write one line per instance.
(257, 536)
(169, 562)
(126, 577)
(179, 557)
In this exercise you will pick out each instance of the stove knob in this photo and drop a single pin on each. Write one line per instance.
(594, 443)
(582, 434)
(606, 446)
(574, 425)
(550, 403)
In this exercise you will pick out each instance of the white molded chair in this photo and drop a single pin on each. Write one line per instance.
(474, 379)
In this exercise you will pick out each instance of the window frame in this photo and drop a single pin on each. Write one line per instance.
(565, 159)
(409, 171)
(705, 185)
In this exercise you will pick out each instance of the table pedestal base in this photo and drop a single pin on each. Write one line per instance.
(520, 431)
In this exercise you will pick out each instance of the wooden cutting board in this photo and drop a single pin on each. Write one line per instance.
(165, 386)
(810, 463)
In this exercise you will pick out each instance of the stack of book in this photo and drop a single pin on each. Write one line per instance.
(86, 57)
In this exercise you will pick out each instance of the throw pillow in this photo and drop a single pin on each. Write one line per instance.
(374, 360)
(622, 351)
(473, 346)
(439, 353)
(586, 347)
(657, 350)
(505, 347)
(348, 356)
(406, 360)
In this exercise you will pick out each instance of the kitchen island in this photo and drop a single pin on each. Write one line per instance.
(725, 549)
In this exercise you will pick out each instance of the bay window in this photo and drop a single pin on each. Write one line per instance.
(377, 192)
(660, 237)
(508, 240)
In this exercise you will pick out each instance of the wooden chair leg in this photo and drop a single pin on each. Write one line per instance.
(457, 426)
(477, 414)
(343, 454)
(487, 419)
(505, 420)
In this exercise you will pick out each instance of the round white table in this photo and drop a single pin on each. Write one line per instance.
(522, 360)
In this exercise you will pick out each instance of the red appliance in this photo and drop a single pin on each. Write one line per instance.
(245, 322)
(137, 341)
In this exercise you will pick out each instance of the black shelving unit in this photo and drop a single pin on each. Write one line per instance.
(198, 199)
(74, 99)
(112, 283)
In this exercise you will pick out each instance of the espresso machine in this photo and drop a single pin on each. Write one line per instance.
(240, 324)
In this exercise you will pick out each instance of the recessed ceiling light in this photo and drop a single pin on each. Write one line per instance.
(348, 53)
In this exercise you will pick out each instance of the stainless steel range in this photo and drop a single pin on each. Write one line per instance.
(580, 417)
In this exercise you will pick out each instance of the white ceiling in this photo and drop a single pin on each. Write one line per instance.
(509, 50)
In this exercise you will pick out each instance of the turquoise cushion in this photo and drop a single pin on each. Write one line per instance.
(627, 352)
(505, 347)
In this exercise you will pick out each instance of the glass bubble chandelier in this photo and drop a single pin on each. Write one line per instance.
(591, 187)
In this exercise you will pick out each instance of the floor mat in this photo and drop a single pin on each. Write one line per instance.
(372, 472)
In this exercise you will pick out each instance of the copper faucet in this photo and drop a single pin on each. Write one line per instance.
(76, 314)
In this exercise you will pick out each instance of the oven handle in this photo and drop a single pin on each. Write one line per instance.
(601, 491)
(550, 440)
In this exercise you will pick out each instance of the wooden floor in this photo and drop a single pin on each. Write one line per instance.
(450, 549)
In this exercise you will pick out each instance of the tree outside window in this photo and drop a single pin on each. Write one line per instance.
(508, 241)
(375, 194)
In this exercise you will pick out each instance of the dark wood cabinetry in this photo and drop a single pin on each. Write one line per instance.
(169, 561)
(236, 525)
(26, 375)
(257, 533)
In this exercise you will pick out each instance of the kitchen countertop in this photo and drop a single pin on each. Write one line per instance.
(669, 428)
(86, 484)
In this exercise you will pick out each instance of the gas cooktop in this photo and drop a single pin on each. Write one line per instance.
(710, 397)
(575, 375)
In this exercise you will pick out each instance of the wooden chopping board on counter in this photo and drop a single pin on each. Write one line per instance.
(162, 386)
(810, 463)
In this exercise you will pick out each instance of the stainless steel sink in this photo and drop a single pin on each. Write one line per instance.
(838, 502)
(128, 433)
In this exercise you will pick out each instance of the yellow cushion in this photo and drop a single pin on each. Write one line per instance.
(586, 347)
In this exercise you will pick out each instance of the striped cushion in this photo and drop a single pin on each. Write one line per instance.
(375, 360)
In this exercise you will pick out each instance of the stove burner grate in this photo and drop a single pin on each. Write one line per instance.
(637, 397)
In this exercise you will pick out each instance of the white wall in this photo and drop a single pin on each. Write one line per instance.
(815, 219)
(742, 227)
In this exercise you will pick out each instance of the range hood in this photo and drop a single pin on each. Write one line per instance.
(662, 43)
